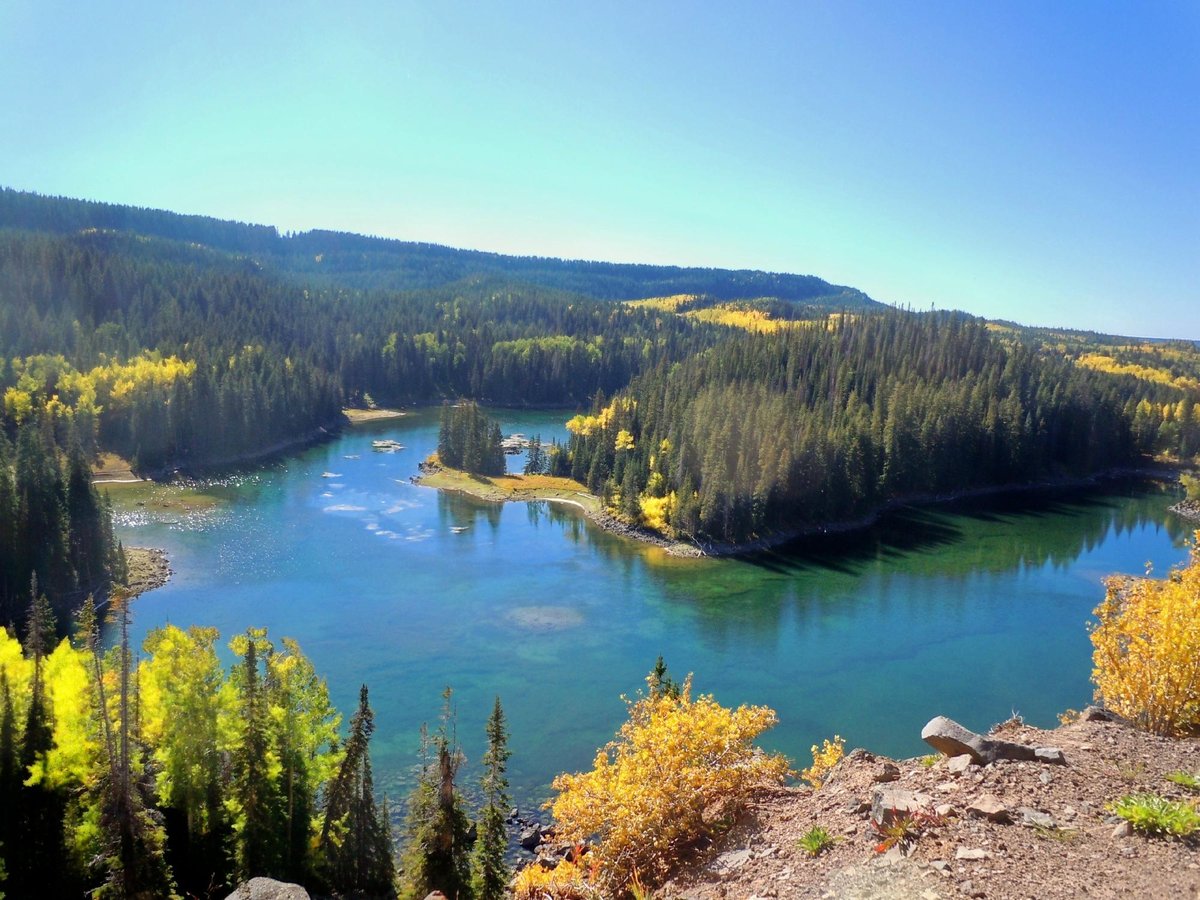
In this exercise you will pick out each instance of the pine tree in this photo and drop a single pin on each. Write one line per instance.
(355, 838)
(258, 827)
(437, 851)
(490, 873)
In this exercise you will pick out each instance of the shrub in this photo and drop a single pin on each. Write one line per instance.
(566, 881)
(816, 841)
(677, 766)
(1151, 814)
(825, 757)
(1147, 649)
(1185, 780)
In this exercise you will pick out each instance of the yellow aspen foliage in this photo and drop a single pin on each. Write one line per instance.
(657, 511)
(624, 441)
(18, 404)
(677, 767)
(18, 670)
(1147, 649)
(71, 761)
(589, 425)
(825, 757)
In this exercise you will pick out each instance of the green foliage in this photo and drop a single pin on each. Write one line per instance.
(437, 830)
(468, 439)
(355, 842)
(812, 425)
(1191, 484)
(1185, 780)
(490, 873)
(816, 841)
(1154, 815)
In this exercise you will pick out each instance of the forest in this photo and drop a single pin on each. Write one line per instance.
(743, 402)
(812, 426)
(170, 775)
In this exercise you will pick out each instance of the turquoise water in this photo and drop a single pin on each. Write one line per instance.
(974, 610)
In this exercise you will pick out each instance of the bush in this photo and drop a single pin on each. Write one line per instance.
(1147, 649)
(816, 841)
(825, 757)
(677, 767)
(1151, 814)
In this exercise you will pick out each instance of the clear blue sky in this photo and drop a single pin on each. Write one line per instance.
(1038, 161)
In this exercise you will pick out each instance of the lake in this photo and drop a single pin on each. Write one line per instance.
(974, 610)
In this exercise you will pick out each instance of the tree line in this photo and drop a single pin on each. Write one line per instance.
(172, 776)
(54, 524)
(819, 425)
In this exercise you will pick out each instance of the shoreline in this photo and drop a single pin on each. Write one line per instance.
(454, 481)
(355, 416)
(149, 569)
(1187, 509)
(317, 435)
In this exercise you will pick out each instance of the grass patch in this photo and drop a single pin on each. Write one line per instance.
(358, 416)
(1185, 780)
(506, 488)
(1151, 814)
(930, 761)
(816, 841)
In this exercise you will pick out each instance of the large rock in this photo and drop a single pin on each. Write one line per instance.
(950, 738)
(268, 889)
(531, 837)
(889, 803)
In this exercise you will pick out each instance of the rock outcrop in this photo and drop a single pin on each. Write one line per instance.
(952, 739)
(268, 889)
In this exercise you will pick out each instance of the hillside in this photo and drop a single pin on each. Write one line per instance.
(1008, 829)
(358, 261)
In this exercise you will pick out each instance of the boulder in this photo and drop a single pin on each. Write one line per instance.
(268, 889)
(989, 807)
(531, 837)
(959, 764)
(950, 738)
(888, 804)
(885, 772)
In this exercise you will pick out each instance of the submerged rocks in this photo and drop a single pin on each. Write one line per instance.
(952, 739)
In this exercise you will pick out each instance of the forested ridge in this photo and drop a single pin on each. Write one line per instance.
(814, 426)
(747, 401)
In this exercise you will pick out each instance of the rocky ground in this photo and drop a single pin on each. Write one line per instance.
(1189, 509)
(1019, 829)
(149, 568)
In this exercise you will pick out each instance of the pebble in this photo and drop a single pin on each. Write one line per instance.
(1122, 830)
(1045, 778)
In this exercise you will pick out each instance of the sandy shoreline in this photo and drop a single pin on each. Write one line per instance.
(359, 416)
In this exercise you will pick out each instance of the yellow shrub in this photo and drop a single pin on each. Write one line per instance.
(825, 757)
(657, 511)
(566, 881)
(677, 765)
(1147, 649)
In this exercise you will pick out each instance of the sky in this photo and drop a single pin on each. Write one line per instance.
(1033, 161)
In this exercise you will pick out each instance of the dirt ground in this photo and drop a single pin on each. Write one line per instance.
(1052, 836)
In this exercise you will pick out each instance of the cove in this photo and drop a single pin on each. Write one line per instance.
(973, 610)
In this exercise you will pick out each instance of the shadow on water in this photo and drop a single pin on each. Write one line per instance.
(1022, 528)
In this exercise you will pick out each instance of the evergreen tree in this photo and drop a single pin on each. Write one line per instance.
(490, 872)
(355, 841)
(258, 827)
(437, 845)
